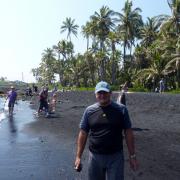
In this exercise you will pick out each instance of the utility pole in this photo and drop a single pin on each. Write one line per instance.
(22, 77)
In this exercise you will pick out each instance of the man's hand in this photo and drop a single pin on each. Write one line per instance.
(133, 164)
(78, 165)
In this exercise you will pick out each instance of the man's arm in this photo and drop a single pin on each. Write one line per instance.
(81, 142)
(129, 137)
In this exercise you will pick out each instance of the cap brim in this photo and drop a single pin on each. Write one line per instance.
(102, 89)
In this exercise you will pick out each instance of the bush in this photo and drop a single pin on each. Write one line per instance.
(174, 91)
(114, 88)
(85, 89)
(138, 89)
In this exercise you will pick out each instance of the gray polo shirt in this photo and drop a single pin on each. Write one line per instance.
(105, 126)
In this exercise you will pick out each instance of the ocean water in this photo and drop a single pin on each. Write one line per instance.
(3, 108)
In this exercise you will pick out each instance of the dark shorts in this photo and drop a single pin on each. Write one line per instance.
(43, 104)
(106, 167)
(11, 104)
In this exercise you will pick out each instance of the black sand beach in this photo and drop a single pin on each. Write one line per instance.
(41, 148)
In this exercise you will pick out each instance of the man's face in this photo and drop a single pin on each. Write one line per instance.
(103, 97)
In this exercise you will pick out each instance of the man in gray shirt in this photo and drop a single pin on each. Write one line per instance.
(105, 122)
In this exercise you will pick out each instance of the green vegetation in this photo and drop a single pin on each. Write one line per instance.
(175, 91)
(5, 83)
(84, 89)
(120, 47)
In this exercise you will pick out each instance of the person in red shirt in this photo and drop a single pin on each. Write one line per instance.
(43, 101)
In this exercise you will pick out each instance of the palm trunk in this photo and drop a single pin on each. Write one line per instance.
(113, 64)
(91, 68)
(92, 77)
(102, 71)
(131, 52)
(124, 54)
(178, 78)
(87, 43)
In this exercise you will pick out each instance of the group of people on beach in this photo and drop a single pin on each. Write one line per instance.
(45, 104)
(29, 91)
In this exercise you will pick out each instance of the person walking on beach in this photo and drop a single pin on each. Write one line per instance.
(54, 90)
(43, 101)
(29, 91)
(35, 88)
(104, 124)
(122, 96)
(53, 102)
(11, 96)
(161, 86)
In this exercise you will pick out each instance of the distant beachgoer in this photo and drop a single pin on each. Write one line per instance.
(11, 96)
(35, 88)
(104, 124)
(53, 102)
(161, 86)
(125, 87)
(28, 91)
(157, 90)
(54, 91)
(43, 101)
(122, 96)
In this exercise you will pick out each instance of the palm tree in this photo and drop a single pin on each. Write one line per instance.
(61, 48)
(92, 29)
(130, 22)
(175, 9)
(77, 68)
(114, 39)
(174, 64)
(103, 23)
(36, 74)
(171, 30)
(47, 65)
(86, 32)
(149, 32)
(70, 27)
(156, 70)
(69, 49)
(173, 22)
(141, 59)
(90, 60)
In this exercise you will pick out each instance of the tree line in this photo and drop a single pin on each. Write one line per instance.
(121, 47)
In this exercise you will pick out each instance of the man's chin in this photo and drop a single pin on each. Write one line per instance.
(104, 103)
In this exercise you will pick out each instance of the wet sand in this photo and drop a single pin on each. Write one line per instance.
(44, 148)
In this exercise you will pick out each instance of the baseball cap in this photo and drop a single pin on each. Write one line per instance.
(12, 87)
(102, 86)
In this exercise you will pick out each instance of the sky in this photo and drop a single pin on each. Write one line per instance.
(28, 27)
